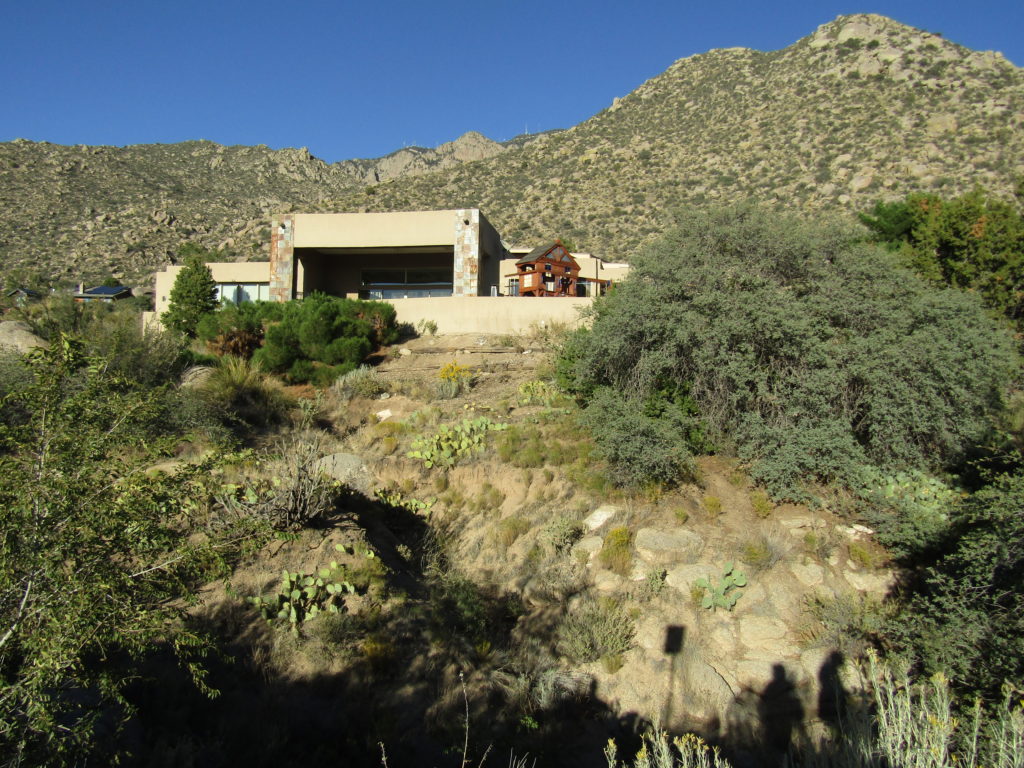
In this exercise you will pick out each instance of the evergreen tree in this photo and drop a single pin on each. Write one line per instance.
(194, 295)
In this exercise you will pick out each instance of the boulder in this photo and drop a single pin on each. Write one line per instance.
(659, 547)
(349, 469)
(600, 516)
(17, 336)
(590, 545)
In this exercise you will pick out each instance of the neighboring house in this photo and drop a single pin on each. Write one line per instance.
(236, 282)
(593, 278)
(107, 293)
(551, 270)
(22, 296)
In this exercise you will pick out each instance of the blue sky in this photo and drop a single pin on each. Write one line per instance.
(349, 79)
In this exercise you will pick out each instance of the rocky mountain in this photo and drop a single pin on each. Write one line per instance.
(863, 108)
(410, 161)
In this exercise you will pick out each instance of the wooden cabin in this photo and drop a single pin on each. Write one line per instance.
(549, 270)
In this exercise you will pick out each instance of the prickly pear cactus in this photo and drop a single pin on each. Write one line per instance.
(726, 592)
(304, 596)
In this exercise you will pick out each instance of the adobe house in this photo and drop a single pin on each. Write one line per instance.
(443, 266)
(418, 254)
(104, 293)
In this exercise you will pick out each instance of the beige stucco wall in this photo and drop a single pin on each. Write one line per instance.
(374, 230)
(486, 314)
(223, 272)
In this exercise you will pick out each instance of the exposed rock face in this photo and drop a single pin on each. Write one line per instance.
(863, 108)
(349, 469)
(410, 161)
(658, 547)
(17, 336)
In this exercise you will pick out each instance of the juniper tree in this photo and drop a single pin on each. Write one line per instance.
(194, 295)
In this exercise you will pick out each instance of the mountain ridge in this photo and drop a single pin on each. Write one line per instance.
(862, 108)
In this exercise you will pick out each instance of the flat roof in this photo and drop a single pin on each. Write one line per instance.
(374, 230)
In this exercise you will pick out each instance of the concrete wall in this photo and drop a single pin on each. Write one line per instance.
(223, 272)
(374, 230)
(486, 314)
(491, 254)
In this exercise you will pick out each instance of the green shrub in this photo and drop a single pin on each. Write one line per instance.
(812, 352)
(967, 619)
(595, 630)
(364, 381)
(98, 556)
(641, 448)
(911, 511)
(238, 329)
(321, 337)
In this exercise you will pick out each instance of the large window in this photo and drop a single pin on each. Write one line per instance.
(236, 293)
(419, 282)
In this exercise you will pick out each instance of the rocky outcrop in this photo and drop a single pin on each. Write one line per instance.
(17, 336)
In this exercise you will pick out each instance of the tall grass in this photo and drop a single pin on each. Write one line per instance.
(246, 392)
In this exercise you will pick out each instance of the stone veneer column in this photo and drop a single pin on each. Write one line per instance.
(467, 252)
(282, 258)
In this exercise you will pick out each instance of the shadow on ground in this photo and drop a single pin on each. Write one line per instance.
(411, 675)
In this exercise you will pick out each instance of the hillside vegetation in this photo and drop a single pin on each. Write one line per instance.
(864, 108)
(450, 543)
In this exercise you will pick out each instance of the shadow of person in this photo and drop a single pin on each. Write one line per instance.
(781, 716)
(832, 695)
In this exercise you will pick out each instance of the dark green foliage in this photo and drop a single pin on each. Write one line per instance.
(238, 329)
(968, 618)
(973, 241)
(193, 295)
(95, 561)
(322, 337)
(639, 446)
(809, 351)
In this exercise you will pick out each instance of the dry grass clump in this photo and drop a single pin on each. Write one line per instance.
(712, 505)
(617, 551)
(597, 629)
(762, 504)
(510, 529)
(765, 549)
(248, 394)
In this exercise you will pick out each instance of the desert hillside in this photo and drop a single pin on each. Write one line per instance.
(862, 108)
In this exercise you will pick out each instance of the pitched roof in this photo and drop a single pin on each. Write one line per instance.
(543, 250)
